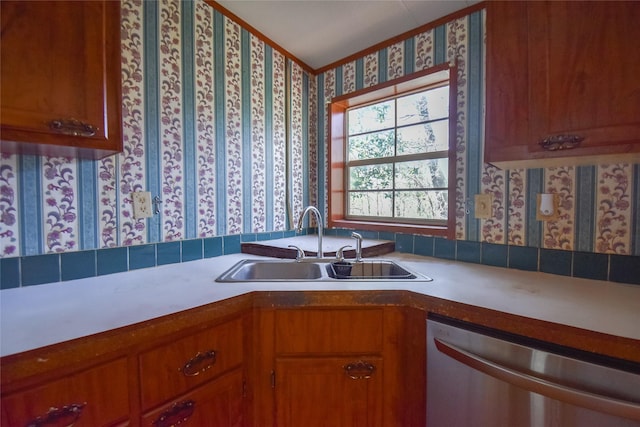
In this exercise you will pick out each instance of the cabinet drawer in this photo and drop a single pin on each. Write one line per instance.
(99, 394)
(329, 331)
(215, 404)
(177, 366)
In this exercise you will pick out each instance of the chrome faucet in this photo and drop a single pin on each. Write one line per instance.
(313, 209)
(358, 238)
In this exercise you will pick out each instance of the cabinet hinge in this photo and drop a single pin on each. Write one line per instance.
(273, 379)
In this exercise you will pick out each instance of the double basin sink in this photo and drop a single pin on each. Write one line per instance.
(314, 269)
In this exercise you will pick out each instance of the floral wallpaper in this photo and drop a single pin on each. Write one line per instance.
(204, 120)
(599, 209)
(204, 104)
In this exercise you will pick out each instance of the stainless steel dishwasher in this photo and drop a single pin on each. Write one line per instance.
(479, 377)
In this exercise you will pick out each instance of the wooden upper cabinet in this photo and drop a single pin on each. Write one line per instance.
(61, 79)
(564, 72)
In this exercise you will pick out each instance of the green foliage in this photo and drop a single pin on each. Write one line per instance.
(373, 137)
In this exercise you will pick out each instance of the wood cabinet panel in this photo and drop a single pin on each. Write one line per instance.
(60, 74)
(319, 392)
(103, 391)
(507, 118)
(217, 403)
(584, 72)
(314, 349)
(181, 364)
(558, 69)
(329, 331)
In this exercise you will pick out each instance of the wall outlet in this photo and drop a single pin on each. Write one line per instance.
(548, 207)
(482, 206)
(141, 204)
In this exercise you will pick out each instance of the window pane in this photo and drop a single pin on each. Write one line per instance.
(424, 138)
(429, 105)
(431, 173)
(371, 203)
(372, 118)
(371, 145)
(425, 205)
(371, 177)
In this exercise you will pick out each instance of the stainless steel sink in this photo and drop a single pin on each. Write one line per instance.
(279, 270)
(250, 270)
(369, 270)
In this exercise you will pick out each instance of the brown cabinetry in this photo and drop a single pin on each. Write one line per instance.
(339, 366)
(564, 75)
(60, 78)
(218, 403)
(329, 367)
(183, 367)
(177, 366)
(95, 397)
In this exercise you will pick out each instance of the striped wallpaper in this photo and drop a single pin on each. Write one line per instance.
(204, 113)
(204, 104)
(600, 209)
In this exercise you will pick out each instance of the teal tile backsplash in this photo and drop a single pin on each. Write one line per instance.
(210, 210)
(41, 269)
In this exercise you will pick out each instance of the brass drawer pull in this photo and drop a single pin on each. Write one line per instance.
(72, 127)
(359, 370)
(59, 417)
(199, 363)
(561, 142)
(176, 415)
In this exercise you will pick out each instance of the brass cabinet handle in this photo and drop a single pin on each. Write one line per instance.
(199, 363)
(72, 127)
(59, 417)
(560, 142)
(359, 370)
(176, 415)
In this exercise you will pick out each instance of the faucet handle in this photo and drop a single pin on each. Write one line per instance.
(299, 253)
(340, 253)
(358, 238)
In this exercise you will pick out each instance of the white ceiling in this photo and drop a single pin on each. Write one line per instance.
(320, 32)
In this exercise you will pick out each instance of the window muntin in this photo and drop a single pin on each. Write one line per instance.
(396, 155)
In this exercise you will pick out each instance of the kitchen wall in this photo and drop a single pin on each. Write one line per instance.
(600, 209)
(204, 106)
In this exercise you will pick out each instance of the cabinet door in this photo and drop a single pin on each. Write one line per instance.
(215, 404)
(177, 366)
(97, 397)
(507, 105)
(584, 73)
(558, 69)
(60, 77)
(329, 391)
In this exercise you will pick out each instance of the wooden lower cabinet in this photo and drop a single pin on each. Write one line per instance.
(218, 403)
(329, 391)
(162, 374)
(98, 396)
(353, 366)
(346, 366)
(181, 364)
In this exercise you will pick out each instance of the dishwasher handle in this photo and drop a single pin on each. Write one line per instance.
(610, 405)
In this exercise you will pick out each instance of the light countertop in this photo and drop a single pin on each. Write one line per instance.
(36, 316)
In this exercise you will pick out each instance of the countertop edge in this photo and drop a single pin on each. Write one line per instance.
(20, 367)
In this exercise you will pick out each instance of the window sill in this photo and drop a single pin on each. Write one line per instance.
(428, 230)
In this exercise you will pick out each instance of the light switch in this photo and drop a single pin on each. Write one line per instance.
(482, 208)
